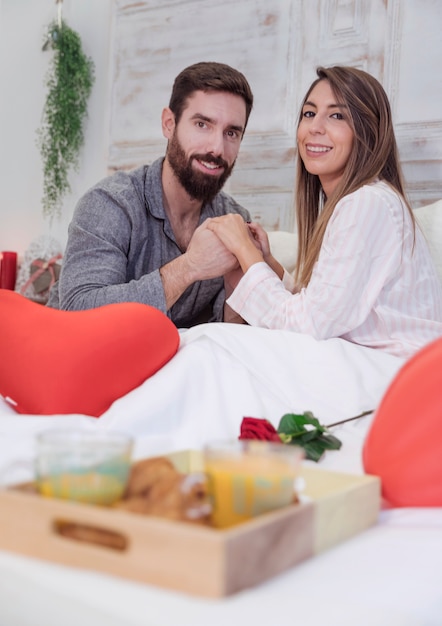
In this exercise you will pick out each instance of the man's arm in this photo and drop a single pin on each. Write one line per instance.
(231, 279)
(111, 255)
(105, 258)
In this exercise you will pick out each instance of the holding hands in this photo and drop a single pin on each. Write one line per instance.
(247, 241)
(207, 256)
(235, 234)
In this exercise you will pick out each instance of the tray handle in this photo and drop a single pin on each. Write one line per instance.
(87, 533)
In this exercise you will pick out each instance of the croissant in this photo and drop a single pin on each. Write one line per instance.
(155, 487)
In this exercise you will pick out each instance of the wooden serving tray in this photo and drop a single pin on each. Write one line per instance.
(191, 558)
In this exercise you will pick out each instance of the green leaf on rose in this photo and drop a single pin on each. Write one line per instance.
(306, 431)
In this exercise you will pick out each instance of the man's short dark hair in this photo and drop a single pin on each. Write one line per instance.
(209, 76)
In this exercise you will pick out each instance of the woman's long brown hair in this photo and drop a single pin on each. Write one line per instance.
(374, 155)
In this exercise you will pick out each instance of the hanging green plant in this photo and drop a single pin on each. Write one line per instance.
(69, 82)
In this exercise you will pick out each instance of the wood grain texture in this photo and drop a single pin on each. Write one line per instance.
(191, 558)
(278, 45)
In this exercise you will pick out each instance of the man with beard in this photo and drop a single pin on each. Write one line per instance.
(141, 236)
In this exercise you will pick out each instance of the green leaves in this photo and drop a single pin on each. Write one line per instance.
(69, 82)
(306, 431)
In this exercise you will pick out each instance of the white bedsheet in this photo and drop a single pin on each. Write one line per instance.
(221, 373)
(391, 574)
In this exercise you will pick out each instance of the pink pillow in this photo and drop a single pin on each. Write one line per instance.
(55, 361)
(404, 443)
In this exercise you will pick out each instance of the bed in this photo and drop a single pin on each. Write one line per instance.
(391, 574)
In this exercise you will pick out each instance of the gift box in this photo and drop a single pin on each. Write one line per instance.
(44, 273)
(36, 282)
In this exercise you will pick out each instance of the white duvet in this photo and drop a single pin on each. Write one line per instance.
(221, 373)
(389, 575)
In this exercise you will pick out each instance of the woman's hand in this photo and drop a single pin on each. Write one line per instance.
(261, 238)
(234, 233)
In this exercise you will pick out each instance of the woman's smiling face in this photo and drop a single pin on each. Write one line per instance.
(325, 137)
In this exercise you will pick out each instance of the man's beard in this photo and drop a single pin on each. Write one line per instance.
(198, 185)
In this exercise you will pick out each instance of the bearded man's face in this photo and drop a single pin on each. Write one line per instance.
(198, 184)
(205, 142)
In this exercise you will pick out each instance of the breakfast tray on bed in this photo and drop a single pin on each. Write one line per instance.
(187, 557)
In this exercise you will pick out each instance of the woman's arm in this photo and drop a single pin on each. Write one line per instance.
(360, 254)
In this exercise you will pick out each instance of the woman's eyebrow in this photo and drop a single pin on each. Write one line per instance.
(336, 105)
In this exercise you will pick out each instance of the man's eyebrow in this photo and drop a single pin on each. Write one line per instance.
(205, 118)
(200, 116)
(239, 128)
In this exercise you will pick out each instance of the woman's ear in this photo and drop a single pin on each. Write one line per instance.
(167, 122)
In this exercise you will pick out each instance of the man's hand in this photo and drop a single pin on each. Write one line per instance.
(207, 256)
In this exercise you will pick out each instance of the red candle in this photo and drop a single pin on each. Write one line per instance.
(8, 270)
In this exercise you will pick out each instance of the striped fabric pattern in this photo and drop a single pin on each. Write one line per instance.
(374, 283)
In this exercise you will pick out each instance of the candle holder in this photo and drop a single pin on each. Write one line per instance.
(8, 270)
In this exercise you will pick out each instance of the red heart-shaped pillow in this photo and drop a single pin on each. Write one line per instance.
(55, 361)
(404, 443)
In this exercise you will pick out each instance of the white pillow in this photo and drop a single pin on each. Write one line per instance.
(284, 247)
(429, 218)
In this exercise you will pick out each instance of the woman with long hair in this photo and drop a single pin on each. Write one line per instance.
(364, 272)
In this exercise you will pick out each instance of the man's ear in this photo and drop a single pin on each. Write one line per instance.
(167, 122)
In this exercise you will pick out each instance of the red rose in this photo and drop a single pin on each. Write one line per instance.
(256, 428)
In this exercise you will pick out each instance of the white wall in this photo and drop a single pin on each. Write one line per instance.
(276, 43)
(23, 66)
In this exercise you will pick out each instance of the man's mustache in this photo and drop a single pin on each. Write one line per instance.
(210, 158)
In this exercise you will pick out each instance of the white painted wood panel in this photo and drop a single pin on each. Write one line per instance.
(277, 44)
(155, 40)
(414, 82)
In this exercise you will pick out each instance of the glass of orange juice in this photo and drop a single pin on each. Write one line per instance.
(85, 466)
(249, 477)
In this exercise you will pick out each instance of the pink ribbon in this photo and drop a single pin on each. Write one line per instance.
(43, 266)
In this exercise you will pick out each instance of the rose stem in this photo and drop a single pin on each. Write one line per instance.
(350, 419)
